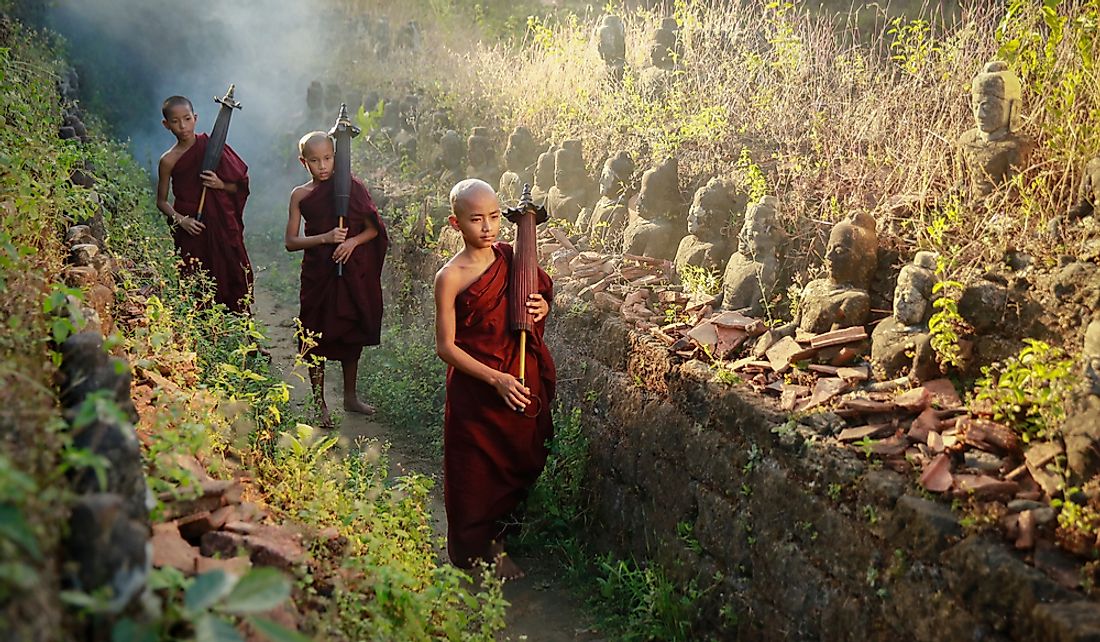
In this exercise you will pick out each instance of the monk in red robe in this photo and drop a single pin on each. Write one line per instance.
(495, 429)
(216, 243)
(340, 313)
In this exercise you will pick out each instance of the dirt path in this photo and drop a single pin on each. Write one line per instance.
(542, 610)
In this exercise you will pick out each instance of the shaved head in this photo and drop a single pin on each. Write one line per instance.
(467, 191)
(313, 138)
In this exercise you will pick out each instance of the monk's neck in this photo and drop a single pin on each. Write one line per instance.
(184, 144)
(480, 255)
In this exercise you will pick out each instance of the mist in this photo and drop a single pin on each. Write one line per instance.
(132, 54)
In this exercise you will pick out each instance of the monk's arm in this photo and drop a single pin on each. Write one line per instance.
(507, 386)
(293, 238)
(164, 179)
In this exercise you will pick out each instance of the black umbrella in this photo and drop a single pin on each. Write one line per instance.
(342, 133)
(212, 157)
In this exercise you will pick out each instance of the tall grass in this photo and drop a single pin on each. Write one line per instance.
(839, 117)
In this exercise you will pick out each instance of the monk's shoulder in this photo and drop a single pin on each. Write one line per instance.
(169, 158)
(300, 192)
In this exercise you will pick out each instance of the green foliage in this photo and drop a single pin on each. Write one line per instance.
(643, 603)
(208, 606)
(701, 281)
(1029, 391)
(404, 378)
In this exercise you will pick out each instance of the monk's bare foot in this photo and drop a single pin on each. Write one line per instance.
(506, 569)
(355, 405)
(326, 417)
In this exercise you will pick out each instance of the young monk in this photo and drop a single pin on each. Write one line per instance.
(494, 429)
(345, 311)
(216, 243)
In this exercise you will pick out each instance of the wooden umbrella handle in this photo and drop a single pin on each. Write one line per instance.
(202, 201)
(522, 357)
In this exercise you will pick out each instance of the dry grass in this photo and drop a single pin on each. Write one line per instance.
(837, 120)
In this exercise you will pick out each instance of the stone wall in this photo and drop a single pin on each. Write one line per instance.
(808, 540)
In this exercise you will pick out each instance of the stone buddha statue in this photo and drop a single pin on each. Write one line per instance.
(611, 38)
(452, 158)
(482, 157)
(611, 212)
(712, 212)
(520, 156)
(568, 198)
(664, 55)
(840, 300)
(901, 344)
(752, 274)
(659, 224)
(992, 152)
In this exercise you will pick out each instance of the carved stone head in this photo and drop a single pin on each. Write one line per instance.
(452, 149)
(760, 235)
(520, 153)
(544, 170)
(569, 173)
(913, 294)
(852, 253)
(995, 97)
(480, 147)
(711, 209)
(660, 195)
(615, 178)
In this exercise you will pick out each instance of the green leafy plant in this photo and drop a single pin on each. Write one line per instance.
(1029, 390)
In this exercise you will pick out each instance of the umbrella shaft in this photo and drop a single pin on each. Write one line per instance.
(202, 201)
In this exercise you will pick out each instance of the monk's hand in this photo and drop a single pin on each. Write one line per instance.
(190, 225)
(537, 307)
(343, 251)
(336, 235)
(211, 180)
(512, 391)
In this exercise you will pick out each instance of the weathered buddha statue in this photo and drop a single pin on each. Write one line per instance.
(840, 300)
(544, 175)
(665, 50)
(520, 156)
(664, 56)
(992, 152)
(611, 39)
(568, 198)
(451, 162)
(901, 344)
(752, 275)
(315, 98)
(712, 212)
(482, 157)
(658, 226)
(611, 212)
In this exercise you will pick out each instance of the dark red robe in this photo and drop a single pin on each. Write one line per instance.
(219, 249)
(346, 310)
(492, 455)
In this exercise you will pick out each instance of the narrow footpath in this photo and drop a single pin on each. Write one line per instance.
(542, 610)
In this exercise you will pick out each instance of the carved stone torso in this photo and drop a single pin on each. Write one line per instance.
(658, 239)
(608, 222)
(748, 283)
(828, 306)
(709, 255)
(991, 163)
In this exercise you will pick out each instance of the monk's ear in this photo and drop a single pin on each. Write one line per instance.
(165, 123)
(302, 160)
(453, 220)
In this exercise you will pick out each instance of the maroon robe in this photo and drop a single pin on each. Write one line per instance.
(492, 455)
(218, 249)
(345, 310)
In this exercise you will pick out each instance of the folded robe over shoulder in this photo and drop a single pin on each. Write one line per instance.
(345, 310)
(218, 249)
(492, 455)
